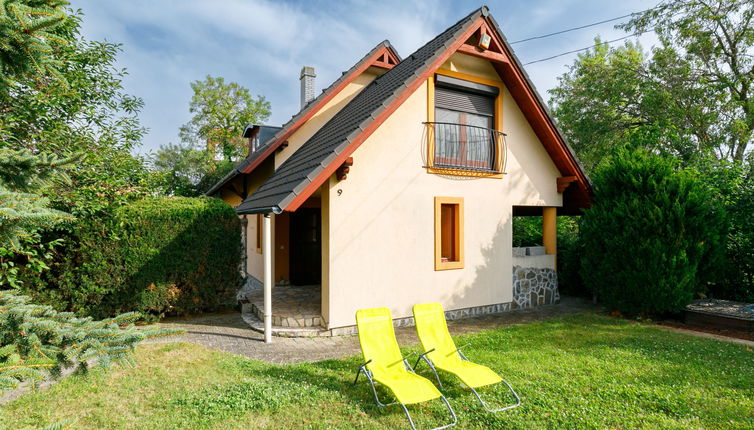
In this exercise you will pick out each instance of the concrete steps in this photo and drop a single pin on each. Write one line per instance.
(253, 317)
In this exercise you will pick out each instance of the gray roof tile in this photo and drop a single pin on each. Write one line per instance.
(267, 139)
(293, 176)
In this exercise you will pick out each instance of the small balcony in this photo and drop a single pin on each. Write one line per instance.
(468, 150)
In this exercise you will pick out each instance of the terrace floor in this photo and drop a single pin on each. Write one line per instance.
(292, 306)
(230, 333)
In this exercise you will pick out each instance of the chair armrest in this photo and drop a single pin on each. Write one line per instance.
(406, 363)
(462, 347)
(362, 368)
(422, 355)
(458, 350)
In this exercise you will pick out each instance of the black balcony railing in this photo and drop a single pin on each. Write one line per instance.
(465, 147)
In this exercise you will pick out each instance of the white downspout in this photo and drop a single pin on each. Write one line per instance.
(267, 255)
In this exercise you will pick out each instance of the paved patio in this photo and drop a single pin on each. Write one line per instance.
(292, 306)
(229, 333)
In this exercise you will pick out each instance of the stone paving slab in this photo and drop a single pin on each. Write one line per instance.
(725, 308)
(229, 333)
(292, 306)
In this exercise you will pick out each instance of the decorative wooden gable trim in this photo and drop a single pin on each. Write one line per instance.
(564, 182)
(492, 51)
(380, 118)
(388, 60)
(384, 58)
(512, 74)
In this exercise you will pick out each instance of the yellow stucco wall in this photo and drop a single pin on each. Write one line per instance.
(230, 194)
(297, 139)
(380, 234)
(254, 260)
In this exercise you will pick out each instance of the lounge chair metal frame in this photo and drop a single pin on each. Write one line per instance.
(423, 357)
(363, 369)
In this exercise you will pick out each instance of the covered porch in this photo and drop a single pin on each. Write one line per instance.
(296, 310)
(284, 263)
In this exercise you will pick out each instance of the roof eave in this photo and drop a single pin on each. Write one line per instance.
(227, 178)
(533, 90)
(260, 210)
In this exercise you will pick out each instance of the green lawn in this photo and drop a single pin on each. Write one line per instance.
(582, 371)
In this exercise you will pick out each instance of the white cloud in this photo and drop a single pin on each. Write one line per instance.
(262, 44)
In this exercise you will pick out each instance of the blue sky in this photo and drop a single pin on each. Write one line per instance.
(262, 44)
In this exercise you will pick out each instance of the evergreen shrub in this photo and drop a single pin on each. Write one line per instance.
(569, 257)
(652, 236)
(37, 342)
(157, 256)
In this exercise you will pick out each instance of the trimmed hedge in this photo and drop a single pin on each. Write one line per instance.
(157, 256)
(653, 237)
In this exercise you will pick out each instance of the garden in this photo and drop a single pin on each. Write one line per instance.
(99, 243)
(582, 371)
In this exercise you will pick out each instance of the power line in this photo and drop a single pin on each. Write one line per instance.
(579, 28)
(584, 49)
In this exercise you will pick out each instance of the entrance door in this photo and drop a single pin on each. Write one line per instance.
(306, 246)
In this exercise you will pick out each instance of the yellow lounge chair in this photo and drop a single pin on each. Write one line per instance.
(441, 353)
(385, 364)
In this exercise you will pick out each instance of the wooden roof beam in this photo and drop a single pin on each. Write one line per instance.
(486, 54)
(564, 181)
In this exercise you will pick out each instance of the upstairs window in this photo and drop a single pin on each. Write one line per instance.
(462, 134)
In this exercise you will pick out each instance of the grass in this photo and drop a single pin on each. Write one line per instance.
(583, 371)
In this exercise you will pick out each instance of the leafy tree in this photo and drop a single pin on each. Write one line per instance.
(690, 97)
(83, 110)
(220, 112)
(527, 231)
(652, 236)
(32, 256)
(598, 102)
(181, 168)
(732, 185)
(90, 115)
(709, 46)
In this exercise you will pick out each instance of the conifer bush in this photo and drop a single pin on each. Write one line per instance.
(37, 342)
(157, 256)
(652, 236)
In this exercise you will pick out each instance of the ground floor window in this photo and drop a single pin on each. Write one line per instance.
(448, 233)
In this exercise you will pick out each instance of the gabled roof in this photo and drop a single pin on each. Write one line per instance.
(383, 55)
(261, 133)
(305, 171)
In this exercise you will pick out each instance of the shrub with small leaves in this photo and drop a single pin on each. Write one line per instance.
(156, 256)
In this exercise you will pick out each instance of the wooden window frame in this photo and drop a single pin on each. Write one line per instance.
(497, 122)
(259, 233)
(449, 265)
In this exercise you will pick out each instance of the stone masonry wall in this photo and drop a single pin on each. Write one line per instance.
(534, 286)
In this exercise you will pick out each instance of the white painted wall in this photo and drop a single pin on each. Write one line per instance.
(381, 228)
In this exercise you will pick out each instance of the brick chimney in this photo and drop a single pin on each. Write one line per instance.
(307, 85)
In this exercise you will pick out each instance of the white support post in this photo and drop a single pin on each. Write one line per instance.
(267, 255)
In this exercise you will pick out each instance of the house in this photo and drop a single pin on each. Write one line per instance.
(398, 183)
